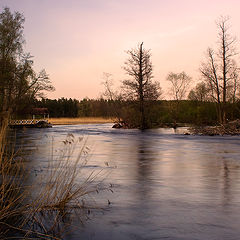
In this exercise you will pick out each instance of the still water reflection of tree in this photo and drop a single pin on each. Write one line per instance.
(146, 155)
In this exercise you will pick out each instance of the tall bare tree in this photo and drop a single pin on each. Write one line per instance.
(179, 85)
(109, 92)
(140, 87)
(220, 70)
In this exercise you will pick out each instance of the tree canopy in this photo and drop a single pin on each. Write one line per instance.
(19, 83)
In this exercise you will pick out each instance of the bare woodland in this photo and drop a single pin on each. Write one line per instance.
(220, 71)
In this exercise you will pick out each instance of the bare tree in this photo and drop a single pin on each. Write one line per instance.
(27, 81)
(140, 87)
(220, 70)
(178, 89)
(109, 92)
(113, 96)
(179, 85)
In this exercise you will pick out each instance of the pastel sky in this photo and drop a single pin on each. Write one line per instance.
(77, 40)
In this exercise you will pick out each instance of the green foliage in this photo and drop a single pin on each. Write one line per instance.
(62, 107)
(19, 83)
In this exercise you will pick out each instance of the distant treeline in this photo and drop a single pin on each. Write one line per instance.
(159, 112)
(64, 107)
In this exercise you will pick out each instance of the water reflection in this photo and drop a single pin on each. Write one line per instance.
(145, 157)
(226, 184)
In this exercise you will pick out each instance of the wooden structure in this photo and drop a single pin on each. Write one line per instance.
(43, 112)
(39, 119)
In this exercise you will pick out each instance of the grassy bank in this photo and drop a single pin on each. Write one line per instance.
(82, 120)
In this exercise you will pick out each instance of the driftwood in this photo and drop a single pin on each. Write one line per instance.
(230, 128)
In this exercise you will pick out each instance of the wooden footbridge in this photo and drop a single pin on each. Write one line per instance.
(30, 123)
(41, 122)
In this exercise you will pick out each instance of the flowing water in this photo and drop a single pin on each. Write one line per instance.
(166, 185)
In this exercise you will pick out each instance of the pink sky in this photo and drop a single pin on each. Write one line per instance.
(77, 40)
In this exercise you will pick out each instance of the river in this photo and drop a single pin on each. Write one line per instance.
(165, 185)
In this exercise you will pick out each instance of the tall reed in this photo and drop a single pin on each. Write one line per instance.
(12, 191)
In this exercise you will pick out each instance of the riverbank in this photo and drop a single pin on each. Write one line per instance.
(82, 120)
(230, 128)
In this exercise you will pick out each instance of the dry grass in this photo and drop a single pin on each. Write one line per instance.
(82, 120)
(39, 211)
(13, 192)
(63, 189)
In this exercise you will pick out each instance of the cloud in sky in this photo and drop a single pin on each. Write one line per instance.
(77, 40)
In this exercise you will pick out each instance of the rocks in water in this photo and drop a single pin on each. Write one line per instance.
(43, 124)
(120, 125)
(117, 125)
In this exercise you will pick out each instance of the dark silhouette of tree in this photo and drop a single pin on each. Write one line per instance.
(220, 71)
(140, 87)
(11, 41)
(19, 83)
(200, 93)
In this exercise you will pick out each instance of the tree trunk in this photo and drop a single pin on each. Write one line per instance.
(141, 96)
(224, 73)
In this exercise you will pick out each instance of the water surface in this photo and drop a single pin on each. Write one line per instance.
(165, 185)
